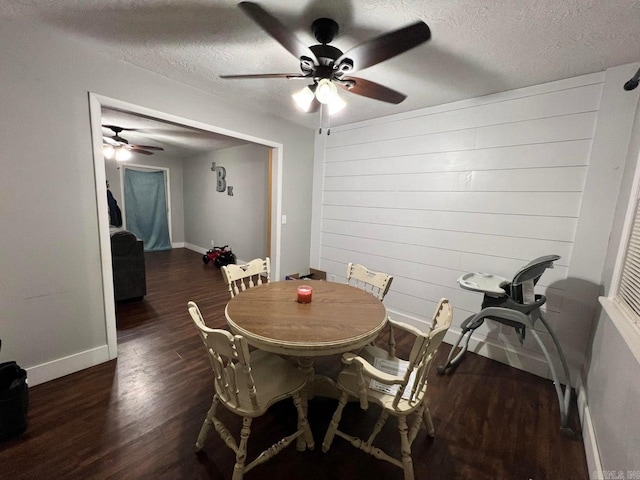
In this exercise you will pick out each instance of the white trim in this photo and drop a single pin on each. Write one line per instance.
(594, 465)
(625, 326)
(95, 115)
(317, 195)
(195, 248)
(276, 233)
(67, 365)
(96, 103)
(626, 230)
(493, 349)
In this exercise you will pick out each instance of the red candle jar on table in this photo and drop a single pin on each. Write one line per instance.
(304, 294)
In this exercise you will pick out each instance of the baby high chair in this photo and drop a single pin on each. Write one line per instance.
(515, 304)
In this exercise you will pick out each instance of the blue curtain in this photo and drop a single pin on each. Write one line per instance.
(145, 204)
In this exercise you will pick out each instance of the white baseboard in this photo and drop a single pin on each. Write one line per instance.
(489, 348)
(195, 248)
(588, 434)
(492, 348)
(67, 365)
(177, 245)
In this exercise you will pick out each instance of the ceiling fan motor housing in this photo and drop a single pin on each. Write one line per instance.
(324, 30)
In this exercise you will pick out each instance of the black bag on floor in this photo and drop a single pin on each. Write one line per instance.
(14, 400)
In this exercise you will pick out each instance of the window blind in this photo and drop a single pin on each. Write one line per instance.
(629, 288)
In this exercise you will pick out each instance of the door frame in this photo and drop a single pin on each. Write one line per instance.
(96, 103)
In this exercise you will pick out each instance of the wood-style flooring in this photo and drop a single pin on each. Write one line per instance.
(138, 416)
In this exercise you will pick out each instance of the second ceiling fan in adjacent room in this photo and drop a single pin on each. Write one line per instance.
(117, 147)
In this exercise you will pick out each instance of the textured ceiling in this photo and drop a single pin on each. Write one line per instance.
(478, 47)
(176, 140)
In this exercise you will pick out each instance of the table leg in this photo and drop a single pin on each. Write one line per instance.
(317, 385)
(306, 365)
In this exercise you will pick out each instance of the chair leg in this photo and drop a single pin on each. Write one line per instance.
(428, 422)
(405, 447)
(377, 428)
(207, 424)
(241, 453)
(303, 424)
(335, 420)
(418, 422)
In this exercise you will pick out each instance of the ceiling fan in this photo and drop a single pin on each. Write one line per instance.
(120, 148)
(327, 66)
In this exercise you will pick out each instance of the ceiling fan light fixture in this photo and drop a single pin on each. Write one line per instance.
(326, 91)
(303, 98)
(336, 104)
(123, 154)
(108, 151)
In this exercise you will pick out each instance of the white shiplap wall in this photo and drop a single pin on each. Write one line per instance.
(482, 185)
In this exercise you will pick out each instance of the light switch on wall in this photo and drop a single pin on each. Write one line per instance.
(284, 219)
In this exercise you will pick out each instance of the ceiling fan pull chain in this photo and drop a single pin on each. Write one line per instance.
(325, 119)
(321, 119)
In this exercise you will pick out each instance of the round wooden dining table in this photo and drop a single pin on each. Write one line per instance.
(339, 318)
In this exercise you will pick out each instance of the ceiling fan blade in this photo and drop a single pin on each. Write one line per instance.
(277, 30)
(120, 129)
(140, 150)
(268, 75)
(145, 147)
(386, 46)
(374, 90)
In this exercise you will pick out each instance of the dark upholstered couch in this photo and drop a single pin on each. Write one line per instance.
(127, 257)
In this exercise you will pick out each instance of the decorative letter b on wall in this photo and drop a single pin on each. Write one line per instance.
(221, 182)
(221, 174)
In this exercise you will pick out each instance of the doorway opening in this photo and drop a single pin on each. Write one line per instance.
(274, 229)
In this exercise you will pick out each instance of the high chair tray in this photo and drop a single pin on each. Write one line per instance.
(483, 282)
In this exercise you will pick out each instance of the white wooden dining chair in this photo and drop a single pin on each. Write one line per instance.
(376, 283)
(398, 386)
(248, 275)
(247, 384)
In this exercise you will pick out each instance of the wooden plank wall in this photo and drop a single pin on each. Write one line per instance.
(481, 185)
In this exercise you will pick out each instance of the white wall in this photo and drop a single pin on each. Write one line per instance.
(612, 419)
(612, 371)
(52, 317)
(481, 185)
(239, 221)
(486, 185)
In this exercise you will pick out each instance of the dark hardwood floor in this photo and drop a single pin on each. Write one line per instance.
(139, 416)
